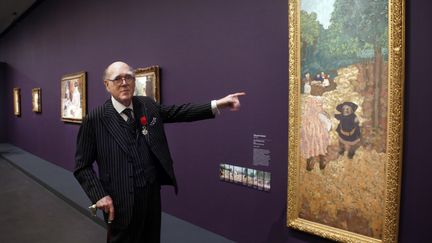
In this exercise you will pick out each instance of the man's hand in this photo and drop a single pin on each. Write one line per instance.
(230, 101)
(107, 206)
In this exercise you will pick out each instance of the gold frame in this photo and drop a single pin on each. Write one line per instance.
(17, 101)
(393, 167)
(70, 111)
(144, 73)
(36, 100)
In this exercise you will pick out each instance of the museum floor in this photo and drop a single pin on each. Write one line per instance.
(42, 202)
(31, 213)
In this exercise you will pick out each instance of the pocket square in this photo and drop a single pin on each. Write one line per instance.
(153, 121)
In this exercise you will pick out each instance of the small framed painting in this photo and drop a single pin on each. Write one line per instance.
(73, 97)
(36, 100)
(148, 82)
(17, 101)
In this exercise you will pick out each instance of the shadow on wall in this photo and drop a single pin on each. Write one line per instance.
(280, 233)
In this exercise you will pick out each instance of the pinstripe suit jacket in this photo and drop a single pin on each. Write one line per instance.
(101, 138)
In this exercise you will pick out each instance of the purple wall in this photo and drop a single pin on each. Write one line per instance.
(206, 49)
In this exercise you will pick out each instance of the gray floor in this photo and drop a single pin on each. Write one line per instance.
(58, 186)
(31, 213)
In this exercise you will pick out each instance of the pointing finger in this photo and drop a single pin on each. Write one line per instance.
(239, 94)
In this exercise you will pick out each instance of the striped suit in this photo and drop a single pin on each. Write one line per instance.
(102, 138)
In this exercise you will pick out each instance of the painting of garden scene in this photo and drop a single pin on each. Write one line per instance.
(343, 123)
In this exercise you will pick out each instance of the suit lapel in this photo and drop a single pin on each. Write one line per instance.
(114, 127)
(140, 110)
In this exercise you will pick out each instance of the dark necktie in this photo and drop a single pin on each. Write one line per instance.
(130, 120)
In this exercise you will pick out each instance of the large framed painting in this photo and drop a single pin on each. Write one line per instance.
(17, 101)
(148, 82)
(36, 100)
(346, 76)
(73, 97)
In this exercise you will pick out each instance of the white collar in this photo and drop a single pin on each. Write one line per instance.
(119, 107)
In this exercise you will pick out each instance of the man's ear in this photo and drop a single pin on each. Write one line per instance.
(106, 85)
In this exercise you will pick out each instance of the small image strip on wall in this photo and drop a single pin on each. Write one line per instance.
(252, 178)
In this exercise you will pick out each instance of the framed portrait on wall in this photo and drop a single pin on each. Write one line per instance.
(17, 101)
(148, 82)
(346, 76)
(36, 100)
(73, 97)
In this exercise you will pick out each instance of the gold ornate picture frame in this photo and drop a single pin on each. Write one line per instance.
(17, 101)
(346, 86)
(36, 100)
(148, 82)
(73, 96)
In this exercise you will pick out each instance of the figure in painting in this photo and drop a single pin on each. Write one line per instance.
(72, 104)
(306, 82)
(348, 129)
(35, 101)
(326, 80)
(322, 83)
(149, 86)
(315, 127)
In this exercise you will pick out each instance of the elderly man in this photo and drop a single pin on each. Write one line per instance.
(126, 137)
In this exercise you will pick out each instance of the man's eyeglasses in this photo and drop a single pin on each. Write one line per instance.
(119, 80)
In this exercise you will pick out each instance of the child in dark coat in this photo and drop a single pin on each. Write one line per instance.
(348, 128)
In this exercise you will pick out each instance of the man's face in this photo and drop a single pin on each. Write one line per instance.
(123, 91)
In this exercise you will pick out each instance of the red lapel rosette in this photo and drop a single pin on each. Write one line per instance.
(143, 121)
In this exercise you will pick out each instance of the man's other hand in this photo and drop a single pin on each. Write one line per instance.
(106, 204)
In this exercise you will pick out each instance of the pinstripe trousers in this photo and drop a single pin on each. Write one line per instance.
(145, 224)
